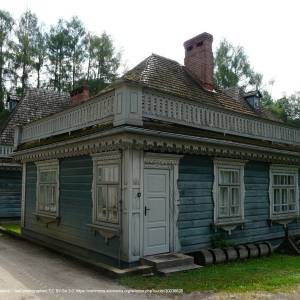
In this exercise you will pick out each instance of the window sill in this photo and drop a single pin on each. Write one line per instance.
(229, 226)
(108, 232)
(283, 220)
(47, 219)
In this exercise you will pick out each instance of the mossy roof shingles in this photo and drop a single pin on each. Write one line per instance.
(36, 104)
(169, 76)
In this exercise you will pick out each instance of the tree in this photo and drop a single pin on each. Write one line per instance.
(103, 62)
(266, 99)
(24, 48)
(60, 57)
(290, 107)
(77, 48)
(39, 55)
(232, 68)
(6, 27)
(57, 53)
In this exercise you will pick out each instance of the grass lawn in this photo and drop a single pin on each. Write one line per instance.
(15, 228)
(272, 274)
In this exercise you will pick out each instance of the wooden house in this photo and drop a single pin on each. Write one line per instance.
(159, 162)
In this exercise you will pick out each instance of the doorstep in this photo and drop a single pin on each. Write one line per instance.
(170, 263)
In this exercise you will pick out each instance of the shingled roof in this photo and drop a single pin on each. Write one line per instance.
(36, 104)
(169, 76)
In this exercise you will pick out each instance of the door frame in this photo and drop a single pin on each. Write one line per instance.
(168, 162)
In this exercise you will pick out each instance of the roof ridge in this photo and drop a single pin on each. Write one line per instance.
(47, 90)
(169, 76)
(147, 60)
(167, 58)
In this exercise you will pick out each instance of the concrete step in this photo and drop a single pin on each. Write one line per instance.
(168, 260)
(172, 270)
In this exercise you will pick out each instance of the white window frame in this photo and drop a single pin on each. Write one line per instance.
(283, 170)
(48, 165)
(233, 165)
(106, 159)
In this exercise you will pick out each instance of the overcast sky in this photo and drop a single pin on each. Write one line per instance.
(267, 29)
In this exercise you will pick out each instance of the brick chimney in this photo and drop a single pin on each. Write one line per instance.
(199, 60)
(79, 95)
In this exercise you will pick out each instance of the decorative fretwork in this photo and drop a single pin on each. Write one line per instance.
(5, 150)
(179, 111)
(93, 112)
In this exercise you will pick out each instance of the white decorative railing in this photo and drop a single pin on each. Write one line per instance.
(131, 105)
(5, 151)
(178, 111)
(95, 111)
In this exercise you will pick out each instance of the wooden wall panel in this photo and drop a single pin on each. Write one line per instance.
(10, 193)
(196, 205)
(75, 210)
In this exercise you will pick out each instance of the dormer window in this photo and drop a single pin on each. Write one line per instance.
(253, 99)
(12, 101)
(256, 103)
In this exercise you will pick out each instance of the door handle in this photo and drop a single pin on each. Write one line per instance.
(146, 210)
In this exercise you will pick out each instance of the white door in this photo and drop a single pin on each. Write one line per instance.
(156, 211)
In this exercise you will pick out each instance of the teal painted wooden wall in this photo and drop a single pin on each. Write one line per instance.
(75, 211)
(196, 205)
(10, 193)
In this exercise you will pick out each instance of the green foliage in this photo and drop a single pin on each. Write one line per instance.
(103, 60)
(232, 68)
(276, 273)
(266, 99)
(278, 109)
(15, 228)
(221, 241)
(6, 27)
(291, 106)
(76, 45)
(25, 47)
(4, 113)
(60, 57)
(40, 54)
(57, 50)
(286, 108)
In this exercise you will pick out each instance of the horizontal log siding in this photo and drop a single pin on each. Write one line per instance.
(10, 193)
(196, 205)
(75, 206)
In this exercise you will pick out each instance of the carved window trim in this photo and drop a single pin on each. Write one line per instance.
(105, 159)
(289, 216)
(228, 223)
(44, 166)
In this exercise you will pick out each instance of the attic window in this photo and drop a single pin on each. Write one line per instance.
(189, 48)
(199, 44)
